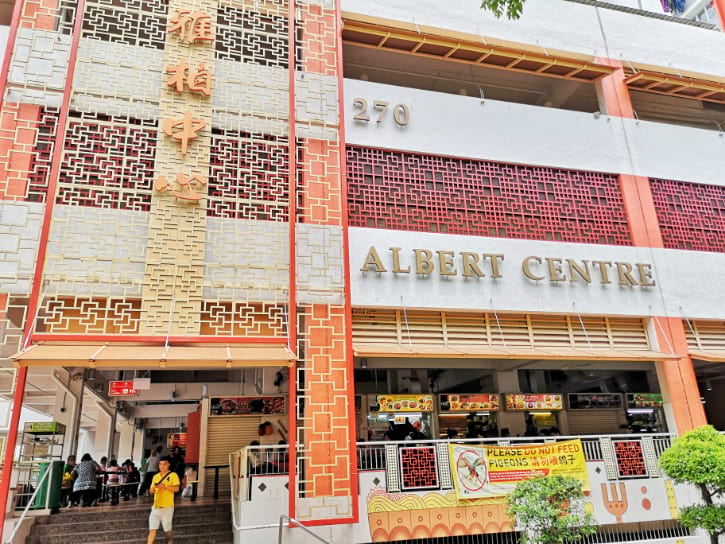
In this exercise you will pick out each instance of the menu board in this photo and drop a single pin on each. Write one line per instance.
(644, 400)
(469, 403)
(232, 406)
(595, 401)
(545, 401)
(177, 439)
(400, 403)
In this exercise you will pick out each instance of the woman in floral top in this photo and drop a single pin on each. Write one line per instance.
(84, 487)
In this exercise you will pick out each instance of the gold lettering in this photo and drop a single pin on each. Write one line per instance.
(373, 259)
(495, 260)
(603, 273)
(624, 271)
(526, 267)
(645, 275)
(583, 272)
(470, 264)
(556, 272)
(445, 259)
(423, 262)
(396, 261)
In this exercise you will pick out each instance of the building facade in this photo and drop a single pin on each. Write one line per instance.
(395, 217)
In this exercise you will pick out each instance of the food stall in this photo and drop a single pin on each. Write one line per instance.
(542, 408)
(595, 413)
(399, 413)
(469, 415)
(645, 413)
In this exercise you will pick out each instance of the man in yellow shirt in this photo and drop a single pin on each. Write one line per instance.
(163, 487)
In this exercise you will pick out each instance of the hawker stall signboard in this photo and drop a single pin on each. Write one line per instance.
(400, 403)
(546, 401)
(644, 400)
(232, 406)
(595, 401)
(469, 403)
(493, 471)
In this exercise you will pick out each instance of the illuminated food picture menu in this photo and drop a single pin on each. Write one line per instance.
(469, 402)
(525, 402)
(401, 403)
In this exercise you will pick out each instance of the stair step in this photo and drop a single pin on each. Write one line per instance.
(78, 514)
(140, 522)
(117, 534)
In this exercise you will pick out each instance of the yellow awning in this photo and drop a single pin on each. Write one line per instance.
(125, 355)
(502, 352)
(711, 356)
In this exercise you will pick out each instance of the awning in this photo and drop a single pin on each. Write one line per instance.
(502, 352)
(125, 355)
(710, 356)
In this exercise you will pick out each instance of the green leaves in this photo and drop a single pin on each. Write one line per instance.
(710, 518)
(698, 457)
(512, 8)
(550, 509)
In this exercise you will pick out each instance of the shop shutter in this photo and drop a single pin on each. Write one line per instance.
(225, 435)
(595, 421)
(375, 330)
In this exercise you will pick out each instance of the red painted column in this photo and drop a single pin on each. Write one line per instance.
(324, 490)
(41, 14)
(678, 375)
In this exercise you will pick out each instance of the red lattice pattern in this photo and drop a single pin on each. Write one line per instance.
(249, 177)
(630, 459)
(108, 164)
(419, 468)
(406, 191)
(39, 172)
(691, 216)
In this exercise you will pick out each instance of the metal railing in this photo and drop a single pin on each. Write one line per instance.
(290, 521)
(30, 503)
(274, 460)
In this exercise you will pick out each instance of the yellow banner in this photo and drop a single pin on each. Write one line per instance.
(493, 471)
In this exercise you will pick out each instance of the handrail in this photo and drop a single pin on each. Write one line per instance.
(234, 492)
(298, 524)
(30, 503)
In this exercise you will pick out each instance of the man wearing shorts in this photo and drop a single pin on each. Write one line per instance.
(163, 487)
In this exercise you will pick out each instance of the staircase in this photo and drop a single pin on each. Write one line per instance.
(193, 524)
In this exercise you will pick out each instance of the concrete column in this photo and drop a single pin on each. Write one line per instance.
(68, 406)
(508, 382)
(126, 439)
(138, 446)
(104, 433)
(677, 376)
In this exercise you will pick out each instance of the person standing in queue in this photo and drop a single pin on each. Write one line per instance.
(163, 487)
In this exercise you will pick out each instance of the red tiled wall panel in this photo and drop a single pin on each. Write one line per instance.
(691, 216)
(408, 191)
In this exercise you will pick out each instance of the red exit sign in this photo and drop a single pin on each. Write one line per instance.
(121, 389)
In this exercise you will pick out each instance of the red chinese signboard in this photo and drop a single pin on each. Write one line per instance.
(121, 389)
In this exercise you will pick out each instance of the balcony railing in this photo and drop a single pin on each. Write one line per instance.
(254, 461)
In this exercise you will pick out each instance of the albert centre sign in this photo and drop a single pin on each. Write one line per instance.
(472, 264)
(455, 272)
